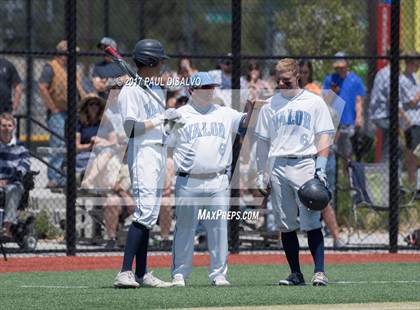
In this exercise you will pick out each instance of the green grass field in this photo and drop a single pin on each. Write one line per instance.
(251, 286)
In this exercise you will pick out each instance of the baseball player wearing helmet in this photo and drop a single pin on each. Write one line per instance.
(202, 157)
(294, 130)
(143, 119)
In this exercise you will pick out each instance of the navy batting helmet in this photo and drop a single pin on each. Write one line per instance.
(314, 195)
(149, 52)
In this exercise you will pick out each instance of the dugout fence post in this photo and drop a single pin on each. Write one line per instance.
(142, 31)
(70, 15)
(236, 85)
(394, 186)
(105, 16)
(29, 71)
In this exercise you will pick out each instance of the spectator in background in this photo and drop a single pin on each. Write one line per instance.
(306, 81)
(306, 77)
(105, 71)
(272, 79)
(186, 68)
(95, 139)
(349, 87)
(14, 164)
(119, 201)
(223, 77)
(9, 81)
(53, 90)
(255, 82)
(410, 102)
(379, 108)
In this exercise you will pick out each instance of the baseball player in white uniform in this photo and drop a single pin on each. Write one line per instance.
(294, 130)
(202, 157)
(143, 118)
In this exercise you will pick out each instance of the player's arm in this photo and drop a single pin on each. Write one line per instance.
(248, 114)
(324, 131)
(43, 84)
(359, 111)
(17, 96)
(324, 141)
(361, 93)
(263, 147)
(134, 121)
(262, 131)
(135, 128)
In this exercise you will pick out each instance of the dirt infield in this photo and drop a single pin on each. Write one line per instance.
(368, 306)
(63, 263)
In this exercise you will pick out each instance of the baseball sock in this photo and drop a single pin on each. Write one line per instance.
(141, 255)
(316, 246)
(134, 245)
(291, 249)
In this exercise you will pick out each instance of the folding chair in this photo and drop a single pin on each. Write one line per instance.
(369, 189)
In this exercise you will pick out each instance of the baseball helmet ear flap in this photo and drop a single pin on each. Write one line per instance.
(314, 195)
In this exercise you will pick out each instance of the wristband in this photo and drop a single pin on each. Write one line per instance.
(321, 163)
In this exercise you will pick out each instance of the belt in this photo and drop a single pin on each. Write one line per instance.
(201, 175)
(297, 156)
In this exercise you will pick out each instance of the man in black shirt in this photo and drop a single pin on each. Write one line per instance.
(9, 80)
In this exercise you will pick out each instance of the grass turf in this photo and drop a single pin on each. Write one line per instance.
(251, 285)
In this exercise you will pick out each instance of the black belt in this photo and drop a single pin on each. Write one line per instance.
(201, 175)
(297, 156)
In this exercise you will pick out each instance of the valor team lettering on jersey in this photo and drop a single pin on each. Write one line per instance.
(203, 129)
(291, 117)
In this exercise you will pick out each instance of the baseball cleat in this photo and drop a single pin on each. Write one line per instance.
(295, 278)
(149, 280)
(220, 281)
(320, 279)
(125, 279)
(178, 280)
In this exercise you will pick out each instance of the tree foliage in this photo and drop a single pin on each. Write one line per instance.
(323, 27)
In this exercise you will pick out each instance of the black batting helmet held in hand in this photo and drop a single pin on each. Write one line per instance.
(314, 195)
(149, 52)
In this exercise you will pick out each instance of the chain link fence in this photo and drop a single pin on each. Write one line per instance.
(365, 51)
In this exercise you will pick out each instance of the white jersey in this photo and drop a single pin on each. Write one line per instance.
(291, 124)
(204, 144)
(136, 104)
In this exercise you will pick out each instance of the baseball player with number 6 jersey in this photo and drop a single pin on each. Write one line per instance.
(202, 156)
(294, 130)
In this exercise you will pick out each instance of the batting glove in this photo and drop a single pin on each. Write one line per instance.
(322, 176)
(171, 114)
(173, 125)
(262, 184)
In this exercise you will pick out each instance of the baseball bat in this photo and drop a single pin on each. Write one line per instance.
(125, 66)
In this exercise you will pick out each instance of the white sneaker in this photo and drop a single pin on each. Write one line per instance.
(320, 279)
(149, 280)
(125, 279)
(220, 281)
(178, 280)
